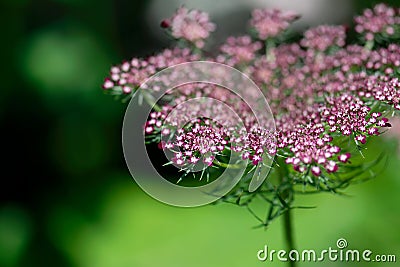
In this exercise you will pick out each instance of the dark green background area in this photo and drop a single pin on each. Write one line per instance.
(67, 198)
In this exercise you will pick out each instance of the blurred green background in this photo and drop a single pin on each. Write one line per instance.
(67, 198)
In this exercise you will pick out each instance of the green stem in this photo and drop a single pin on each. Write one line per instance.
(269, 49)
(227, 165)
(288, 231)
(369, 45)
(287, 217)
(151, 101)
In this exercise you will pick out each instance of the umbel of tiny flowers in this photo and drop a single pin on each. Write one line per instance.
(271, 22)
(329, 97)
(380, 22)
(193, 26)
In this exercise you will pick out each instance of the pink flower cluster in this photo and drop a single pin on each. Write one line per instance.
(271, 22)
(128, 76)
(317, 95)
(348, 115)
(255, 144)
(323, 37)
(239, 50)
(381, 19)
(202, 141)
(191, 25)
